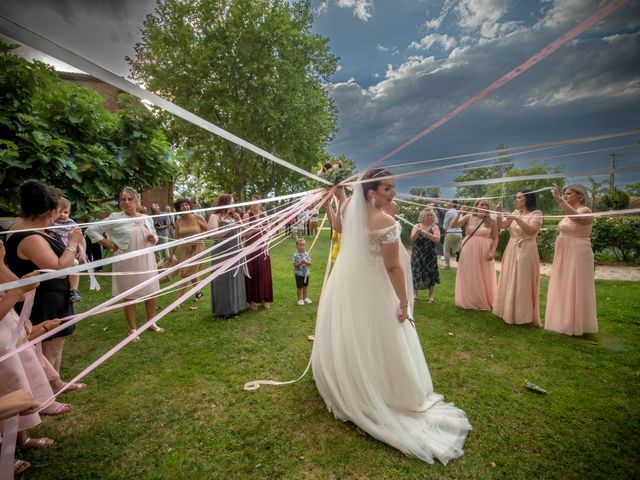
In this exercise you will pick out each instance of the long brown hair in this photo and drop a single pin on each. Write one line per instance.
(488, 221)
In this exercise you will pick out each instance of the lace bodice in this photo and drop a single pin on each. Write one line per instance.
(385, 235)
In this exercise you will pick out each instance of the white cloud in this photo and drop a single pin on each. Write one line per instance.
(382, 48)
(434, 23)
(563, 12)
(322, 8)
(338, 68)
(483, 17)
(428, 41)
(362, 9)
(582, 88)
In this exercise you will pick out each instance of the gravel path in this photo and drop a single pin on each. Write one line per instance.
(603, 272)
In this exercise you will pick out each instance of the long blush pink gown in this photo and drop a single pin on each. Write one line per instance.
(476, 277)
(571, 298)
(517, 300)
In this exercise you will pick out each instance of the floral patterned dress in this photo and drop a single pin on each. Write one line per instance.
(424, 263)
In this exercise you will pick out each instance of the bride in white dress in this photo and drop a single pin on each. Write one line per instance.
(367, 360)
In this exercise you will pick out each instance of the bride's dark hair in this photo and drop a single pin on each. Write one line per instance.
(373, 185)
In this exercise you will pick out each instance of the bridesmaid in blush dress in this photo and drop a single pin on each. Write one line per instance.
(517, 300)
(571, 298)
(476, 274)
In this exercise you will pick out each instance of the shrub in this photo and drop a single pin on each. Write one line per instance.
(546, 243)
(613, 200)
(618, 235)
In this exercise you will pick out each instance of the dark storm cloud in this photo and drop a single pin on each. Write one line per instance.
(104, 31)
(591, 86)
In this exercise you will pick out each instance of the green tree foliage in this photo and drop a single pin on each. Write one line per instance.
(633, 189)
(613, 200)
(252, 67)
(58, 132)
(497, 170)
(428, 192)
(503, 167)
(508, 190)
(618, 235)
(597, 189)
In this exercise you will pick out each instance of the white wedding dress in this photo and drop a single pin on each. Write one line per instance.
(368, 367)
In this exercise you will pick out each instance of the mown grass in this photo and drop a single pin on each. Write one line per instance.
(172, 405)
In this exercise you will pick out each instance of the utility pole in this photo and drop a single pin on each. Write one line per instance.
(612, 184)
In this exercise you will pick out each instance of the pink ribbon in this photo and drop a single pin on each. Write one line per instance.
(597, 17)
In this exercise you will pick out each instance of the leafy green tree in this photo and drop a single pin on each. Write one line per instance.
(618, 235)
(597, 189)
(58, 132)
(508, 190)
(252, 67)
(497, 170)
(429, 192)
(633, 189)
(613, 200)
(142, 149)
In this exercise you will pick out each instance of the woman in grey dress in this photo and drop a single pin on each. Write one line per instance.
(228, 295)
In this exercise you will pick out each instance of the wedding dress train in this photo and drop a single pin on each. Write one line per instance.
(368, 367)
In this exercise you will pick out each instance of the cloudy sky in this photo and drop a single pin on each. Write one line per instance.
(406, 63)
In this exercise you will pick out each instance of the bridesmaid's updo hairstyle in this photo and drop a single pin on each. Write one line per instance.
(373, 185)
(529, 199)
(37, 198)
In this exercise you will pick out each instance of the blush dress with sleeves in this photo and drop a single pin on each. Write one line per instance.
(518, 297)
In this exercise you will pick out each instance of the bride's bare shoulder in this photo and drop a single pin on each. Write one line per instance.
(380, 221)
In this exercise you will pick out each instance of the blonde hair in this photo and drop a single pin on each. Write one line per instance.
(134, 193)
(425, 211)
(582, 190)
(488, 220)
(64, 203)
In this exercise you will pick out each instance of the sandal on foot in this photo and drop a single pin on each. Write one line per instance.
(20, 466)
(56, 409)
(199, 295)
(70, 387)
(136, 338)
(37, 443)
(156, 328)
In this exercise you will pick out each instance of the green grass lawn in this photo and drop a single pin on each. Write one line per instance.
(172, 406)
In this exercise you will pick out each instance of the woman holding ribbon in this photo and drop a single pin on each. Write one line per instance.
(367, 360)
(189, 224)
(476, 274)
(517, 299)
(258, 283)
(228, 294)
(33, 247)
(129, 231)
(571, 298)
